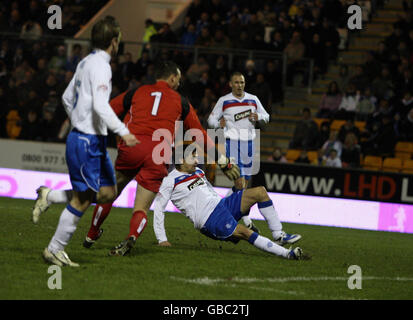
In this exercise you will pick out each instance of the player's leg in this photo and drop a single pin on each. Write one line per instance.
(46, 197)
(138, 221)
(265, 244)
(84, 164)
(260, 196)
(149, 180)
(102, 210)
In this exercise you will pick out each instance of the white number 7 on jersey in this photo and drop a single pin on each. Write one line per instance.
(155, 106)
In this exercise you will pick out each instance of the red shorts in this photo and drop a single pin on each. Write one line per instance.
(139, 161)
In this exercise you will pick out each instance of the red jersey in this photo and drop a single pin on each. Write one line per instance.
(155, 106)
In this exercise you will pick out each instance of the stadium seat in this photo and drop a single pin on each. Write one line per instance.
(292, 155)
(360, 125)
(319, 121)
(403, 150)
(312, 156)
(407, 166)
(392, 164)
(336, 125)
(372, 163)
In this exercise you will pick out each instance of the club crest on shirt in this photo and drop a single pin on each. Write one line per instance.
(195, 184)
(242, 115)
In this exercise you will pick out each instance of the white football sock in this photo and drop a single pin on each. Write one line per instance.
(271, 216)
(267, 245)
(59, 196)
(65, 229)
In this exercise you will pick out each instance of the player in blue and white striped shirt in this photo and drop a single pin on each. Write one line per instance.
(237, 113)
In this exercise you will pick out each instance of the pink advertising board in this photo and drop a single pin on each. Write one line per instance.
(357, 214)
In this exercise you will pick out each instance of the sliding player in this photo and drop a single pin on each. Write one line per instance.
(215, 217)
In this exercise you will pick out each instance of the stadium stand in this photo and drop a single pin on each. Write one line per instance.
(34, 69)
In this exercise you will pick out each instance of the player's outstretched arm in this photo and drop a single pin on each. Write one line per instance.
(160, 202)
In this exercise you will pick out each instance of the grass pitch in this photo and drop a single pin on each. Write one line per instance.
(196, 267)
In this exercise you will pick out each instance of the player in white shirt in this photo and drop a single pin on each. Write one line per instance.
(86, 100)
(217, 218)
(237, 113)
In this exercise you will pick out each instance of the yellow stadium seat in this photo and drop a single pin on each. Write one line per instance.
(372, 163)
(319, 121)
(407, 166)
(336, 125)
(312, 156)
(392, 164)
(292, 155)
(360, 125)
(403, 150)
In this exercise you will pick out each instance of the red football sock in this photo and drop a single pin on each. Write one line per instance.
(99, 215)
(137, 223)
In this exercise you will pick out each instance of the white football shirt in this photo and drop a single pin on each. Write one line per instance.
(86, 99)
(192, 194)
(236, 112)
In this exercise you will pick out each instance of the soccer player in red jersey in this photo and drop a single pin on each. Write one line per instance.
(149, 108)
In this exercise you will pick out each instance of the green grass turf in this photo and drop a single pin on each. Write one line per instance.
(187, 269)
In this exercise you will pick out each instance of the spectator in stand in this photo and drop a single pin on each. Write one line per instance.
(142, 64)
(74, 58)
(189, 36)
(394, 39)
(250, 74)
(149, 31)
(404, 127)
(366, 105)
(220, 67)
(195, 10)
(404, 82)
(351, 152)
(58, 62)
(330, 102)
(343, 77)
(277, 42)
(332, 143)
(222, 85)
(349, 101)
(324, 133)
(273, 76)
(331, 38)
(359, 80)
(204, 39)
(277, 156)
(220, 40)
(383, 85)
(333, 160)
(404, 105)
(347, 127)
(303, 157)
(202, 22)
(31, 129)
(305, 133)
(262, 90)
(254, 27)
(164, 35)
(127, 67)
(48, 124)
(316, 51)
(384, 141)
(295, 51)
(384, 109)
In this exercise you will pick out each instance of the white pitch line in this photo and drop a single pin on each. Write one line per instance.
(210, 281)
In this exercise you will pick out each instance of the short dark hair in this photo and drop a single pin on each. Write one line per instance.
(235, 73)
(104, 31)
(166, 68)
